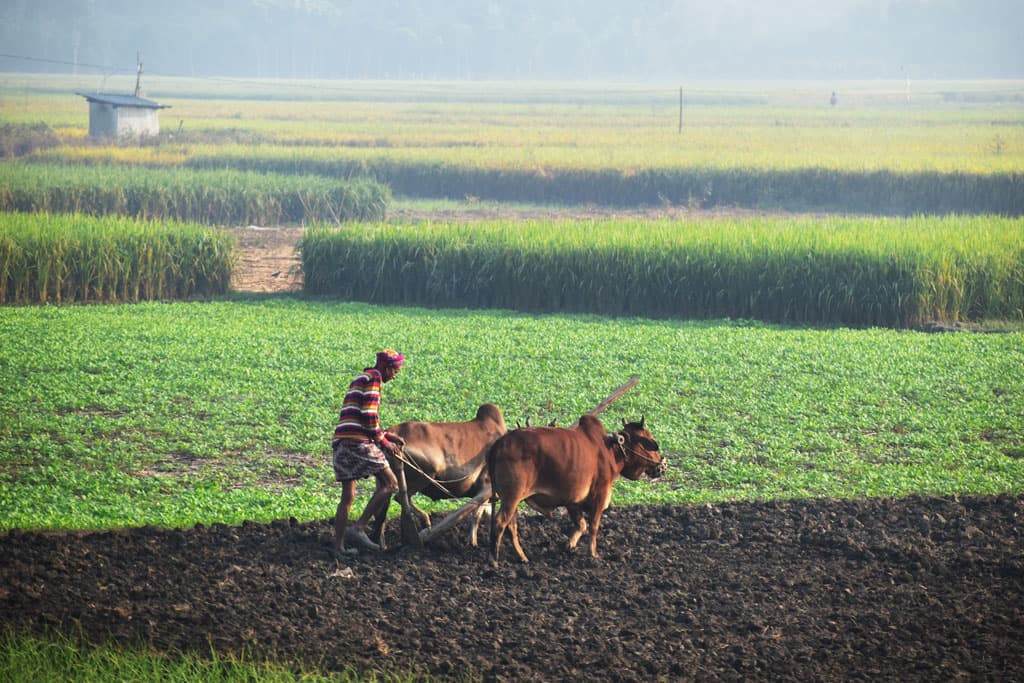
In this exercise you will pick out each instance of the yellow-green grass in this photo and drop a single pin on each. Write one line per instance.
(799, 189)
(876, 162)
(48, 258)
(954, 147)
(455, 173)
(224, 197)
(893, 272)
(564, 136)
(971, 127)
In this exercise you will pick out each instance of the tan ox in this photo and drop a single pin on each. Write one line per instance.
(451, 453)
(571, 468)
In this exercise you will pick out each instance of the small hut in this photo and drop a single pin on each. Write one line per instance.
(114, 116)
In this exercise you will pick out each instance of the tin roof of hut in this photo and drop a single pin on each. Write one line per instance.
(122, 100)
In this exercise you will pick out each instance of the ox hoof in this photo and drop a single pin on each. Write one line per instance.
(343, 552)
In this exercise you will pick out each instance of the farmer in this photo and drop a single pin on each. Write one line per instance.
(358, 447)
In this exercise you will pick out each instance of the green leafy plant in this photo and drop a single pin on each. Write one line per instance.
(173, 414)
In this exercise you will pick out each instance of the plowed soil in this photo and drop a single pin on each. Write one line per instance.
(928, 589)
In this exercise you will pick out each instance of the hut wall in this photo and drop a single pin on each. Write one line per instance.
(109, 121)
(102, 120)
(136, 121)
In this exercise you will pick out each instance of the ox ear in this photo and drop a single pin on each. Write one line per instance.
(649, 444)
(616, 438)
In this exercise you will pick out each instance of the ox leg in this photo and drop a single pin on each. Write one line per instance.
(580, 524)
(499, 522)
(485, 508)
(424, 517)
(515, 537)
(595, 523)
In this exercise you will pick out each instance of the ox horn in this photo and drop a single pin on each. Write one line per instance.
(642, 421)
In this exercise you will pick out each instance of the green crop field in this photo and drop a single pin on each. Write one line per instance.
(954, 147)
(208, 431)
(946, 126)
(171, 414)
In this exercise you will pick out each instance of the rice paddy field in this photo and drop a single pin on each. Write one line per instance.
(945, 126)
(777, 338)
(861, 272)
(945, 147)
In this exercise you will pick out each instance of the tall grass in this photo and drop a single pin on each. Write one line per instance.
(73, 258)
(861, 272)
(210, 196)
(884, 191)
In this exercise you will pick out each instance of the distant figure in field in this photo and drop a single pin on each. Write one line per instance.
(834, 99)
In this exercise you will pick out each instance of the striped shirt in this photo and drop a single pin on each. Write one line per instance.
(359, 419)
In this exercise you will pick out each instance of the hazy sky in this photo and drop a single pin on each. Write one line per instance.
(546, 39)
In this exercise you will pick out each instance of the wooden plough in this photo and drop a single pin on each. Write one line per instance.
(413, 536)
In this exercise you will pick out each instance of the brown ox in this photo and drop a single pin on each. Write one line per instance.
(571, 468)
(450, 453)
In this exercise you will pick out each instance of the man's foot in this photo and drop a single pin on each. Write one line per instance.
(360, 538)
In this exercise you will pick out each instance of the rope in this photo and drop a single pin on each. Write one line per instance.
(408, 461)
(632, 450)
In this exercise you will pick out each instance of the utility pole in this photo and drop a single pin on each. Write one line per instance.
(138, 74)
(680, 109)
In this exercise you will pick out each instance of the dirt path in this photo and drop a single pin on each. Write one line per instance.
(913, 589)
(269, 260)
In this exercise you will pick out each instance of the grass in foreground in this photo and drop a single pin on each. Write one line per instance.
(26, 659)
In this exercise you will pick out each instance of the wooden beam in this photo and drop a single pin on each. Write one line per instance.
(612, 398)
(410, 532)
(454, 518)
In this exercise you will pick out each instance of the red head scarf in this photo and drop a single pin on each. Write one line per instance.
(389, 358)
